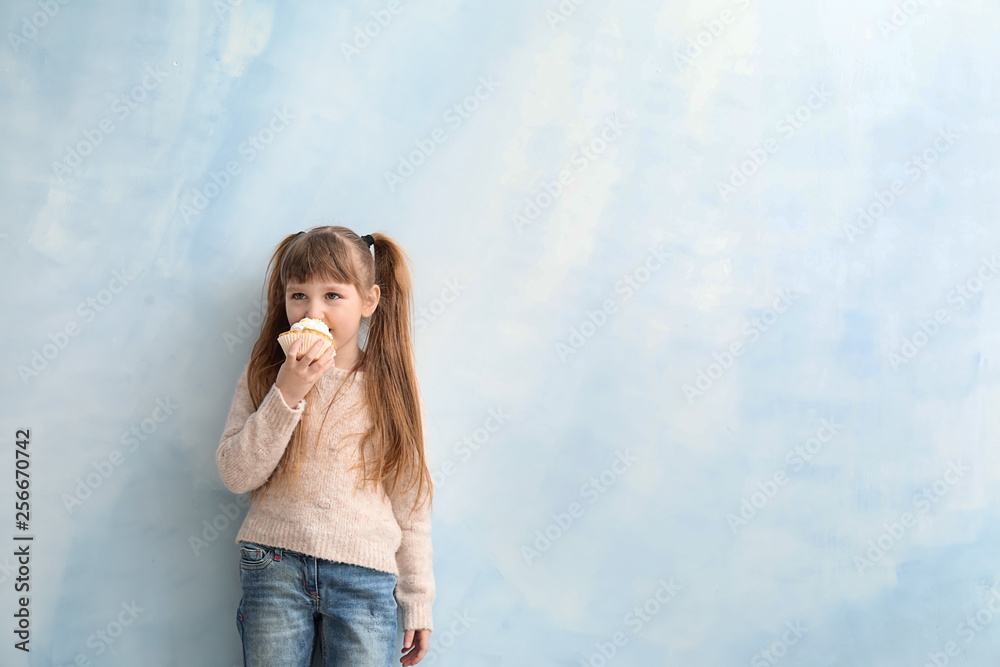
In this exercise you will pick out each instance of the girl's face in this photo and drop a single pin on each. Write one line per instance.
(337, 304)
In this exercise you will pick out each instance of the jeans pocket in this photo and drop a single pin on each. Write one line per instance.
(255, 556)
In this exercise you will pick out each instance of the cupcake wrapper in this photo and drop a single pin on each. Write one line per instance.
(308, 340)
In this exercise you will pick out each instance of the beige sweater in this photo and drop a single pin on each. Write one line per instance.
(331, 518)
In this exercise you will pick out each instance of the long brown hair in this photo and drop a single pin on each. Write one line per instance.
(389, 383)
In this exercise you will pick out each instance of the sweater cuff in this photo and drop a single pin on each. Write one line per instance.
(416, 615)
(276, 410)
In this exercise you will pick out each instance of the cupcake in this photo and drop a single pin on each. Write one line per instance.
(309, 330)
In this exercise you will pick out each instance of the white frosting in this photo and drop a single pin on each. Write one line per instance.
(310, 323)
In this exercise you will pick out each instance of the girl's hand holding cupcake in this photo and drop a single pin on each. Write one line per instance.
(309, 340)
(297, 376)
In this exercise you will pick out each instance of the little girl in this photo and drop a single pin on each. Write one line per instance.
(333, 552)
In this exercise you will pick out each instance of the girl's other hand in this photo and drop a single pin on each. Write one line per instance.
(415, 645)
(297, 376)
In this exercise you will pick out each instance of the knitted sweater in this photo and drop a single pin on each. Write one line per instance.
(330, 517)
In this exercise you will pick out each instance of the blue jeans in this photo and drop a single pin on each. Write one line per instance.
(288, 596)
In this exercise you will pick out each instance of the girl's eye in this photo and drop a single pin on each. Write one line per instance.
(298, 294)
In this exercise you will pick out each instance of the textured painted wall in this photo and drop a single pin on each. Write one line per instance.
(707, 309)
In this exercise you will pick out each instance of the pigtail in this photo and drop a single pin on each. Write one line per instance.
(267, 356)
(391, 387)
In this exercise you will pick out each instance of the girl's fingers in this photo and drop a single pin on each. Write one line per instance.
(312, 353)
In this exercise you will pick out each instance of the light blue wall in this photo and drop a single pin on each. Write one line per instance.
(666, 335)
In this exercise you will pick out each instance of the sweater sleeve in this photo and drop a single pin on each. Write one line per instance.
(253, 441)
(415, 589)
